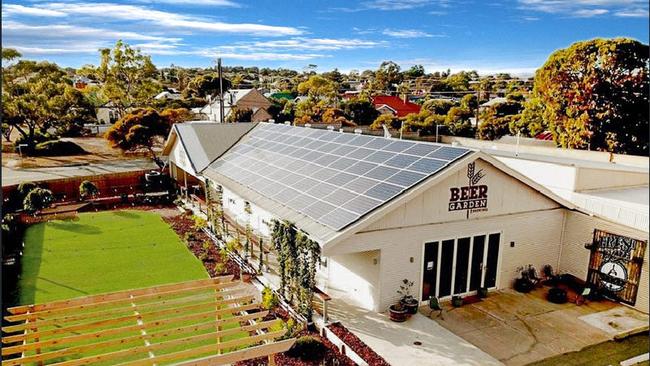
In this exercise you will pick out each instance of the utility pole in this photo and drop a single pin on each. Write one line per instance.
(221, 109)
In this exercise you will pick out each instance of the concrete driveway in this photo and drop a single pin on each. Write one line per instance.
(518, 329)
(395, 341)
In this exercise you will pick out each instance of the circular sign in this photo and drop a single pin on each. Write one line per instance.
(613, 276)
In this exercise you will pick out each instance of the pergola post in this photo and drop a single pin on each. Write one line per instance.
(272, 359)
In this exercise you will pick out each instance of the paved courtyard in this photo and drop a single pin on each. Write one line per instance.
(395, 341)
(518, 329)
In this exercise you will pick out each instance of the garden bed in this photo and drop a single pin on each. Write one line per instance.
(357, 345)
(202, 246)
(331, 358)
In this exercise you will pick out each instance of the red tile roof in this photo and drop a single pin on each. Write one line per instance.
(397, 104)
(546, 135)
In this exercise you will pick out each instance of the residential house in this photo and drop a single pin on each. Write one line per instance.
(239, 98)
(398, 107)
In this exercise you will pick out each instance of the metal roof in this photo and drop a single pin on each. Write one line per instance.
(206, 141)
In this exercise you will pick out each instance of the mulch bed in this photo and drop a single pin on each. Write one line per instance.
(332, 358)
(357, 345)
(183, 224)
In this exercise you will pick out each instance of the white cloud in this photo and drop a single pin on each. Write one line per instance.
(222, 3)
(14, 9)
(390, 5)
(312, 44)
(587, 8)
(133, 13)
(632, 13)
(409, 33)
(588, 13)
(17, 30)
(261, 56)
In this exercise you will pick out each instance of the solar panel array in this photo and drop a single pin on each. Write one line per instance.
(332, 177)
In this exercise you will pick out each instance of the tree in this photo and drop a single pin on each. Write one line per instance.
(88, 189)
(597, 90)
(127, 76)
(414, 72)
(457, 122)
(239, 115)
(460, 81)
(388, 120)
(531, 123)
(387, 77)
(469, 102)
(38, 199)
(37, 96)
(138, 129)
(438, 106)
(361, 112)
(203, 86)
(317, 87)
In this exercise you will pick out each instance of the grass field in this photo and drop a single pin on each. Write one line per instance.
(102, 252)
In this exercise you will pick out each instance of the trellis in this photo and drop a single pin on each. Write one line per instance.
(204, 322)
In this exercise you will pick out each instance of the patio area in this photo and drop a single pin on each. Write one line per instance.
(418, 341)
(518, 329)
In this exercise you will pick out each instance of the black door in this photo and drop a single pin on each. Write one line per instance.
(477, 262)
(492, 259)
(429, 270)
(446, 267)
(462, 261)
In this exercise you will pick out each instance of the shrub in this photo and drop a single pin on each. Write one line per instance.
(58, 148)
(88, 189)
(385, 119)
(308, 348)
(25, 188)
(269, 298)
(38, 199)
(199, 223)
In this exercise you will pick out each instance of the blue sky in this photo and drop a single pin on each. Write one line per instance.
(489, 36)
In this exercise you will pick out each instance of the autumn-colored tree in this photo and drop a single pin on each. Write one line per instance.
(388, 120)
(239, 115)
(595, 91)
(318, 87)
(139, 129)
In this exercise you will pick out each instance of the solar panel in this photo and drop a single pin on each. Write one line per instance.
(318, 209)
(334, 178)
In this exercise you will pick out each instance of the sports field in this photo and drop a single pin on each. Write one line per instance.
(102, 252)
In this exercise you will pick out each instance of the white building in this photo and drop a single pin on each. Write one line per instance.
(239, 98)
(451, 219)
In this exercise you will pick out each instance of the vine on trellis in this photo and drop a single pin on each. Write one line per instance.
(298, 257)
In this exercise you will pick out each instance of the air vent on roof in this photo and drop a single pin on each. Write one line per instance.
(307, 125)
(287, 123)
(331, 128)
(357, 131)
(341, 129)
(271, 120)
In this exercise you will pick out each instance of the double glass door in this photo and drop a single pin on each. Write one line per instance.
(459, 266)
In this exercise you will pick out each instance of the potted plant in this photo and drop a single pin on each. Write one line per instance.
(397, 313)
(408, 302)
(524, 283)
(457, 301)
(482, 292)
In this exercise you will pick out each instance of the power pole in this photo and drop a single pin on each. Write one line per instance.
(221, 109)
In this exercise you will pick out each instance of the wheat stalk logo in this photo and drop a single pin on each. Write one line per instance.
(472, 175)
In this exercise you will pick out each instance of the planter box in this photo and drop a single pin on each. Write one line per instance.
(343, 348)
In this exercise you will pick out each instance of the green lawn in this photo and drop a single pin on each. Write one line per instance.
(102, 252)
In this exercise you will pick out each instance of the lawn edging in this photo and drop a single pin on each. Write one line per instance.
(342, 346)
